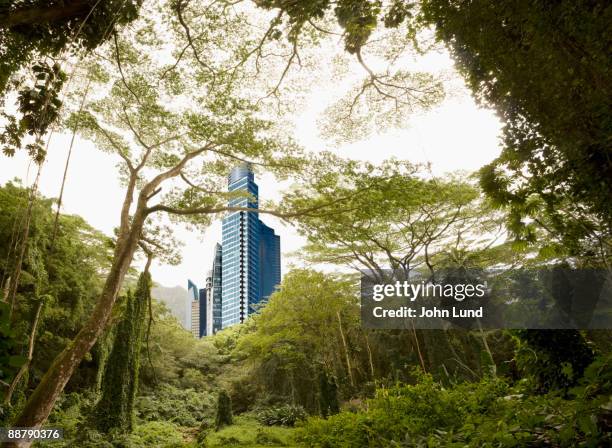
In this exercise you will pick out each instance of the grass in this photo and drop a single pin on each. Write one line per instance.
(246, 432)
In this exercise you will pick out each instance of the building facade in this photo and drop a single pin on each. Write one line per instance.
(240, 246)
(269, 261)
(195, 318)
(250, 252)
(213, 294)
(246, 267)
(193, 309)
(203, 313)
(192, 296)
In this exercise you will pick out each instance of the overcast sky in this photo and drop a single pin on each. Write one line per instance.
(455, 135)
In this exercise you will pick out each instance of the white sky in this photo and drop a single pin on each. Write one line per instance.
(455, 135)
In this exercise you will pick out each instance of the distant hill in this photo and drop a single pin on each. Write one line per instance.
(174, 298)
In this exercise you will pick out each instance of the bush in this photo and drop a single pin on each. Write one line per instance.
(224, 410)
(286, 415)
(155, 434)
(246, 431)
(396, 415)
(265, 438)
(243, 391)
(555, 360)
(489, 413)
(185, 407)
(152, 434)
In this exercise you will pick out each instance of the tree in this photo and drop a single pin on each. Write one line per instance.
(37, 29)
(384, 97)
(120, 380)
(65, 279)
(555, 359)
(328, 395)
(544, 68)
(224, 410)
(183, 147)
(310, 327)
(398, 219)
(401, 223)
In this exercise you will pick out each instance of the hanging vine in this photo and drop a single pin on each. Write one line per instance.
(120, 379)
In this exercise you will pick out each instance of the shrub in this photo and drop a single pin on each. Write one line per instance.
(553, 359)
(185, 407)
(396, 415)
(156, 434)
(152, 434)
(246, 431)
(488, 413)
(224, 410)
(286, 415)
(265, 438)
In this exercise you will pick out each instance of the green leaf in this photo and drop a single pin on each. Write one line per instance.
(17, 360)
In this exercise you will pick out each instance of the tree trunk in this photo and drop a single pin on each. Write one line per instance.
(418, 347)
(493, 367)
(346, 353)
(26, 365)
(5, 290)
(369, 349)
(42, 400)
(14, 279)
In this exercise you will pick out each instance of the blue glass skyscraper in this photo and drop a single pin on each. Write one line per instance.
(193, 309)
(250, 252)
(240, 242)
(269, 261)
(203, 312)
(213, 294)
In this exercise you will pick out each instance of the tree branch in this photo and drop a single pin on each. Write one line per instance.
(197, 187)
(121, 70)
(117, 147)
(172, 172)
(196, 55)
(213, 210)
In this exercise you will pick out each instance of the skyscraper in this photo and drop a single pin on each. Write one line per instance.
(195, 318)
(213, 294)
(269, 261)
(250, 252)
(193, 308)
(203, 313)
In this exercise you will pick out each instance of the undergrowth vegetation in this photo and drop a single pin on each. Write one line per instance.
(488, 413)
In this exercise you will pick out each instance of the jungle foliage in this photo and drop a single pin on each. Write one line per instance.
(544, 67)
(115, 410)
(74, 350)
(39, 29)
(306, 354)
(69, 277)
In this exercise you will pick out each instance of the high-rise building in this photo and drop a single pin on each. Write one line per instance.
(195, 318)
(192, 296)
(209, 303)
(269, 261)
(250, 252)
(203, 313)
(213, 294)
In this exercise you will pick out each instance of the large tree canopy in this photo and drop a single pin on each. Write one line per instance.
(545, 68)
(34, 28)
(175, 139)
(398, 218)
